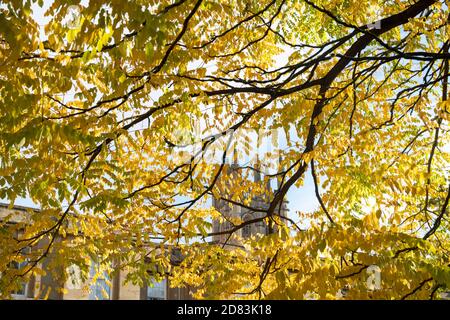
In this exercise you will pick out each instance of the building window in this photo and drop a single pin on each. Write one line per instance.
(100, 289)
(227, 226)
(247, 229)
(261, 226)
(21, 292)
(157, 290)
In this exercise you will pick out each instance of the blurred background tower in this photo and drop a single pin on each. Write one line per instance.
(258, 202)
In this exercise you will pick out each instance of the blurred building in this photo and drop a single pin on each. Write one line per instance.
(53, 286)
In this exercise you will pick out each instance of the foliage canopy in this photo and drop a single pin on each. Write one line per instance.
(90, 115)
